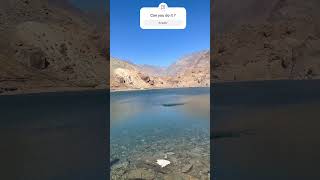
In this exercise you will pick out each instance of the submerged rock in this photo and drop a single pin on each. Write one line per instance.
(173, 104)
(141, 174)
(187, 168)
(114, 161)
(170, 153)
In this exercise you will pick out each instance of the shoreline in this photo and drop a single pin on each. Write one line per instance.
(148, 89)
(84, 89)
(217, 83)
(50, 90)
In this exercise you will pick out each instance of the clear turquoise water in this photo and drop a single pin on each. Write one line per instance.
(141, 119)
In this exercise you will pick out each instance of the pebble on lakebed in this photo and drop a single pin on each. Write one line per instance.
(189, 159)
(163, 162)
(186, 168)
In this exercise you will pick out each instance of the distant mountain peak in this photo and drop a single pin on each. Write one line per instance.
(194, 73)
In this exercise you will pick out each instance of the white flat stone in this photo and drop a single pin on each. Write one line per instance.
(163, 162)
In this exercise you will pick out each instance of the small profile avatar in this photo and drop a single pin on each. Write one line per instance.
(163, 6)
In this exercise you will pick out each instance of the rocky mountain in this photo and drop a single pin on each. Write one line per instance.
(45, 47)
(228, 14)
(153, 70)
(284, 44)
(125, 75)
(189, 71)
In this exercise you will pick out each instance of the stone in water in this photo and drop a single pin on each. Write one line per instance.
(187, 168)
(163, 162)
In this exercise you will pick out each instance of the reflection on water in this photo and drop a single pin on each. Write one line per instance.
(123, 109)
(143, 130)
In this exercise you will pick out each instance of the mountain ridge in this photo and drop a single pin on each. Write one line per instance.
(133, 76)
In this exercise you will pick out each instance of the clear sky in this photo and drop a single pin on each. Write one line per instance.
(157, 47)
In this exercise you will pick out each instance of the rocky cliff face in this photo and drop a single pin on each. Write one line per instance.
(46, 47)
(284, 45)
(125, 75)
(189, 71)
(192, 70)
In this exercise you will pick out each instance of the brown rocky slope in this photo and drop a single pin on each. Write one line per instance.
(285, 45)
(190, 71)
(44, 48)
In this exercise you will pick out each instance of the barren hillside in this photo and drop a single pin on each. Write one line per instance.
(153, 70)
(44, 47)
(283, 45)
(189, 71)
(192, 70)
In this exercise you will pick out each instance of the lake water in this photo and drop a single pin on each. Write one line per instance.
(260, 130)
(171, 124)
(54, 136)
(266, 130)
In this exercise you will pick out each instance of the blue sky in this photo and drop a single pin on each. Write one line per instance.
(157, 47)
